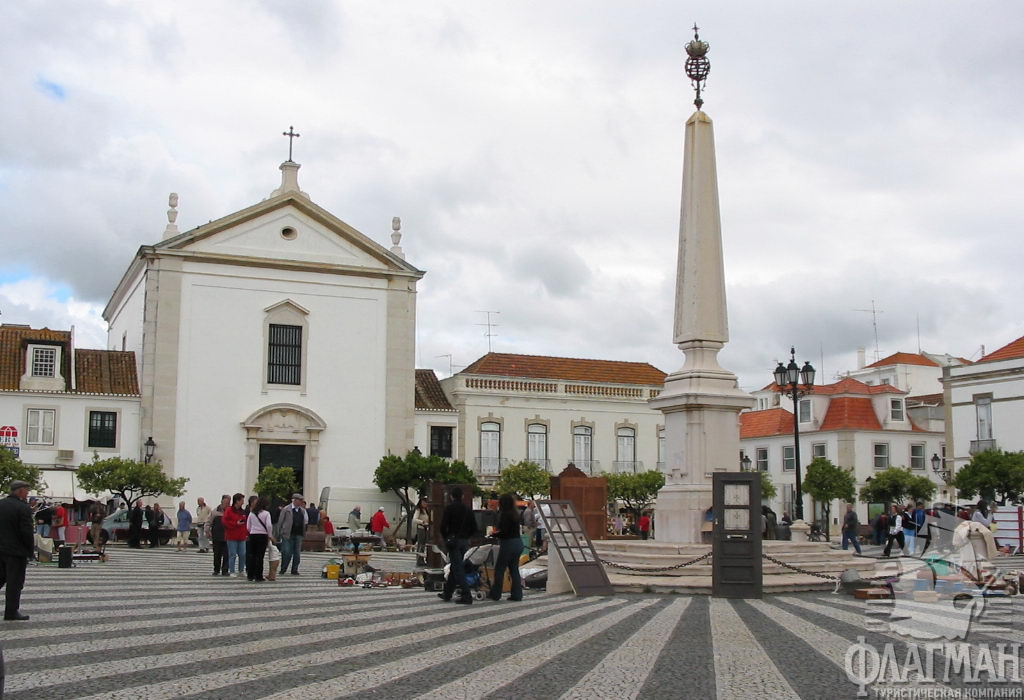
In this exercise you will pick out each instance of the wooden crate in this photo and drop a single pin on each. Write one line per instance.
(872, 593)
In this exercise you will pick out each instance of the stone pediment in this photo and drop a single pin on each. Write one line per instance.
(288, 228)
(284, 420)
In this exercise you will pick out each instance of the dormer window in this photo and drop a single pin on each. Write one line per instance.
(44, 361)
(896, 409)
(805, 410)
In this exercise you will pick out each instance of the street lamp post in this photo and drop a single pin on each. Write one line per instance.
(796, 382)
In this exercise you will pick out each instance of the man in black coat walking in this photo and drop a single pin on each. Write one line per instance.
(17, 544)
(457, 525)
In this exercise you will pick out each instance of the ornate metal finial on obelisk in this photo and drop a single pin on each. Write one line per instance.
(697, 65)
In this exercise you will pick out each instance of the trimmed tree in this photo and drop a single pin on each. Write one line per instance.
(826, 482)
(636, 491)
(525, 478)
(768, 490)
(895, 485)
(276, 483)
(129, 479)
(992, 474)
(407, 477)
(13, 469)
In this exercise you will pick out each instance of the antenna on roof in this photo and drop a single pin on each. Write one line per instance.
(451, 367)
(917, 315)
(488, 334)
(874, 324)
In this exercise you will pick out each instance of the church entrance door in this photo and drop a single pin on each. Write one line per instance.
(279, 455)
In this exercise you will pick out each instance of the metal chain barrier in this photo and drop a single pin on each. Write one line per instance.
(645, 570)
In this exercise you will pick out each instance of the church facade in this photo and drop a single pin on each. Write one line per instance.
(275, 335)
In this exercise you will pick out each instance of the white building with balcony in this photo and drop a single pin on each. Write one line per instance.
(555, 411)
(850, 423)
(985, 405)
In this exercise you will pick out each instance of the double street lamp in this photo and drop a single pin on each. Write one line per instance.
(796, 382)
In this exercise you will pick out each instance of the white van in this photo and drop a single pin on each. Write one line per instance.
(339, 501)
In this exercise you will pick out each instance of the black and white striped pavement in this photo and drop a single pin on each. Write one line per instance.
(156, 624)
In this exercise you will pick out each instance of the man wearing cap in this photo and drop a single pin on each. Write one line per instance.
(17, 542)
(289, 531)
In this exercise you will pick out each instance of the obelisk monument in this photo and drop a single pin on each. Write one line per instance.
(701, 401)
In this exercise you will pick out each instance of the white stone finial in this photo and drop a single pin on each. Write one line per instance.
(289, 180)
(172, 216)
(396, 237)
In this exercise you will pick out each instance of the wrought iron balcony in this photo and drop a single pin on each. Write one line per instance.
(982, 445)
(587, 466)
(490, 465)
(632, 467)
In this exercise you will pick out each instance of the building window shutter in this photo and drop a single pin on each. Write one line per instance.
(284, 355)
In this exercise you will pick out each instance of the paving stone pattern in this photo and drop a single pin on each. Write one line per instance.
(156, 624)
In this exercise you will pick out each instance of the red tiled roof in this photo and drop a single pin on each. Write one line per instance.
(771, 421)
(850, 413)
(13, 341)
(429, 394)
(925, 398)
(1007, 352)
(105, 372)
(96, 371)
(905, 358)
(566, 368)
(847, 385)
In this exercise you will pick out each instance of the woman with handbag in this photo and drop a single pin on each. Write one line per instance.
(259, 526)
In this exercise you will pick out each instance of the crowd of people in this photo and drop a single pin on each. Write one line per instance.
(912, 527)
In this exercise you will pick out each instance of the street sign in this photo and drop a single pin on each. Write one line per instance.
(574, 552)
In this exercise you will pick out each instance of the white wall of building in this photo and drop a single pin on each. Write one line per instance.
(998, 383)
(515, 409)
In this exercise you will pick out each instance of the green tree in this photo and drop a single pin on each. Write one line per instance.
(129, 479)
(992, 474)
(826, 482)
(525, 478)
(12, 469)
(636, 491)
(408, 478)
(895, 485)
(768, 490)
(276, 483)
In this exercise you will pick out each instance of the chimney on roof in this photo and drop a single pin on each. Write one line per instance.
(861, 362)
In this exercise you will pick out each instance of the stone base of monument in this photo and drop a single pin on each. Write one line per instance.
(645, 557)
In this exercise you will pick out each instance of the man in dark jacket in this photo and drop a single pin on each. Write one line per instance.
(457, 525)
(17, 544)
(135, 526)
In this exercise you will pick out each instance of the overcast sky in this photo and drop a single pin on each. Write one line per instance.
(867, 152)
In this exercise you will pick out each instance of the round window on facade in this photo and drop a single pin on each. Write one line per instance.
(289, 233)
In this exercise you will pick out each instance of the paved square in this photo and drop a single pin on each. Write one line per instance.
(156, 624)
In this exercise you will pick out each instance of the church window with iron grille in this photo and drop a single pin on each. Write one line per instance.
(284, 356)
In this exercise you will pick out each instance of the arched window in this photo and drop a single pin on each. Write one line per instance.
(537, 443)
(490, 447)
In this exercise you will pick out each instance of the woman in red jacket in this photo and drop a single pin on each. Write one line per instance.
(235, 533)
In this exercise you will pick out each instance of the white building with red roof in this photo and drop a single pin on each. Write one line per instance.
(556, 410)
(851, 423)
(985, 405)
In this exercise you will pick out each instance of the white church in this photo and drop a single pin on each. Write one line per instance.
(257, 334)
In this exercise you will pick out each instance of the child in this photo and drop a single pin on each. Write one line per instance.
(273, 560)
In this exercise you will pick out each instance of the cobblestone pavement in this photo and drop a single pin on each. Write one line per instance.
(156, 624)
